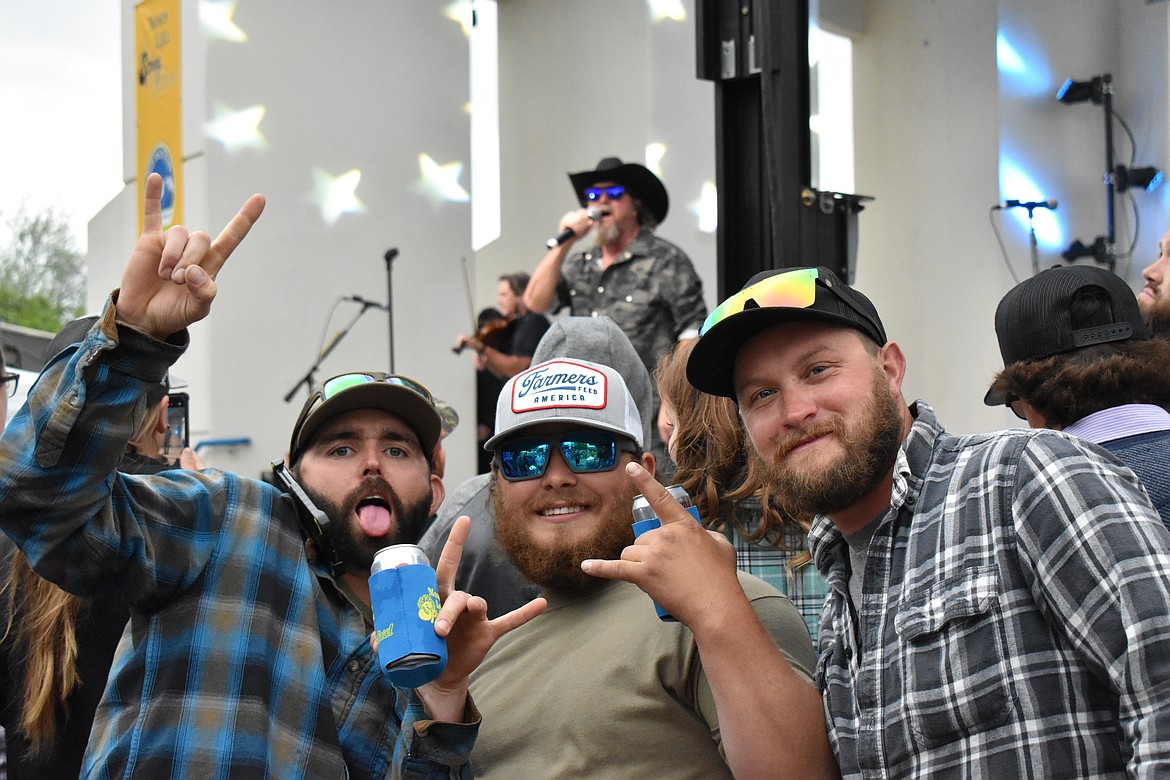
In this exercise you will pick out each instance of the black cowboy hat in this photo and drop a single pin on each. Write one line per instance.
(638, 179)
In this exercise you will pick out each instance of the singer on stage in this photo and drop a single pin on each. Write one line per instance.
(647, 285)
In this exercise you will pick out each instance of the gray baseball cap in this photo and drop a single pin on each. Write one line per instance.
(565, 390)
(600, 340)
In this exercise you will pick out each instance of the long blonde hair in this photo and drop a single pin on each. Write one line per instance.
(716, 463)
(41, 629)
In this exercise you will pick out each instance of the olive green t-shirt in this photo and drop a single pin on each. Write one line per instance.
(598, 686)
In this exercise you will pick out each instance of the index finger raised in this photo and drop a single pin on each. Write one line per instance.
(232, 234)
(666, 507)
(152, 204)
(451, 555)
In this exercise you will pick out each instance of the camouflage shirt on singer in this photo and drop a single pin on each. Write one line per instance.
(651, 291)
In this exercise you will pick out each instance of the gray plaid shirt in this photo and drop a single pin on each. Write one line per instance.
(1014, 618)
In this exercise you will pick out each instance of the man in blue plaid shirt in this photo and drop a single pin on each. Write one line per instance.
(999, 603)
(248, 652)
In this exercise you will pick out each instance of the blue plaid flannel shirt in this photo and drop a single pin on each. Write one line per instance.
(241, 659)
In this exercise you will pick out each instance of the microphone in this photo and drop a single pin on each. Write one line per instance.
(368, 304)
(560, 238)
(1029, 204)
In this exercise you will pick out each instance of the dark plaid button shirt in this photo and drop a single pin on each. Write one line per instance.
(1015, 616)
(240, 659)
(652, 292)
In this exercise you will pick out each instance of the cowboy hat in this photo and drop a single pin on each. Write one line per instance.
(638, 179)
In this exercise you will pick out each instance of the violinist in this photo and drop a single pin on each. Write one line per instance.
(504, 347)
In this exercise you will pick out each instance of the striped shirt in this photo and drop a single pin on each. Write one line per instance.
(241, 658)
(1014, 619)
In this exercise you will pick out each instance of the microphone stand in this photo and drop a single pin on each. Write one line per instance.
(309, 380)
(1032, 238)
(391, 253)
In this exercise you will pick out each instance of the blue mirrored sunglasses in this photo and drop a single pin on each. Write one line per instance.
(613, 193)
(585, 452)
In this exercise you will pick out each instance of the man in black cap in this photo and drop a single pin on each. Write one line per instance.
(645, 284)
(248, 648)
(1078, 358)
(997, 603)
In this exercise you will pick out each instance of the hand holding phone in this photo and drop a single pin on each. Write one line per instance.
(177, 437)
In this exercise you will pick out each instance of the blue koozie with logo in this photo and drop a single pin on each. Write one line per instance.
(644, 520)
(405, 600)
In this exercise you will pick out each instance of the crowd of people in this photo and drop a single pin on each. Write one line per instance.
(864, 594)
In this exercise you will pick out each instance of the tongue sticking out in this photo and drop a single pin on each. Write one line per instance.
(374, 519)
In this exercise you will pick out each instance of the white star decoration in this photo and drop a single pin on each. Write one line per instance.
(654, 154)
(335, 195)
(236, 130)
(440, 182)
(460, 11)
(667, 9)
(216, 18)
(706, 208)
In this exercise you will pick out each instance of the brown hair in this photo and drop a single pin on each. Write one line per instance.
(1072, 385)
(517, 282)
(715, 461)
(42, 628)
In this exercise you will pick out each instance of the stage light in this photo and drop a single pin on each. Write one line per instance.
(1148, 178)
(1079, 91)
(1098, 250)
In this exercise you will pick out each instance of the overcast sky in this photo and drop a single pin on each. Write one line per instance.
(61, 102)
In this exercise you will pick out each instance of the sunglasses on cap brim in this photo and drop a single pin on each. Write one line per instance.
(342, 382)
(795, 289)
(585, 452)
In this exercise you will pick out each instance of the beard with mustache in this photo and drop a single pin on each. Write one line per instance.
(1157, 317)
(608, 234)
(558, 567)
(352, 545)
(871, 448)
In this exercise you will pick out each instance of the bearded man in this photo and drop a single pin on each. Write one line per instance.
(599, 686)
(1154, 299)
(998, 601)
(646, 284)
(247, 654)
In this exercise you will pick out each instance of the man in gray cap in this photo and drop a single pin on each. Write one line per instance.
(485, 569)
(997, 603)
(1078, 358)
(645, 283)
(621, 692)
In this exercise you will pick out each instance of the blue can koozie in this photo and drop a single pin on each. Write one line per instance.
(405, 599)
(645, 520)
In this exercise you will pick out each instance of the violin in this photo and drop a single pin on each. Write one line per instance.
(490, 332)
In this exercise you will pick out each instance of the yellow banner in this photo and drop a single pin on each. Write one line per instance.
(160, 103)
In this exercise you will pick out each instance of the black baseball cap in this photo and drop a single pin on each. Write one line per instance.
(771, 298)
(1034, 320)
(399, 395)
